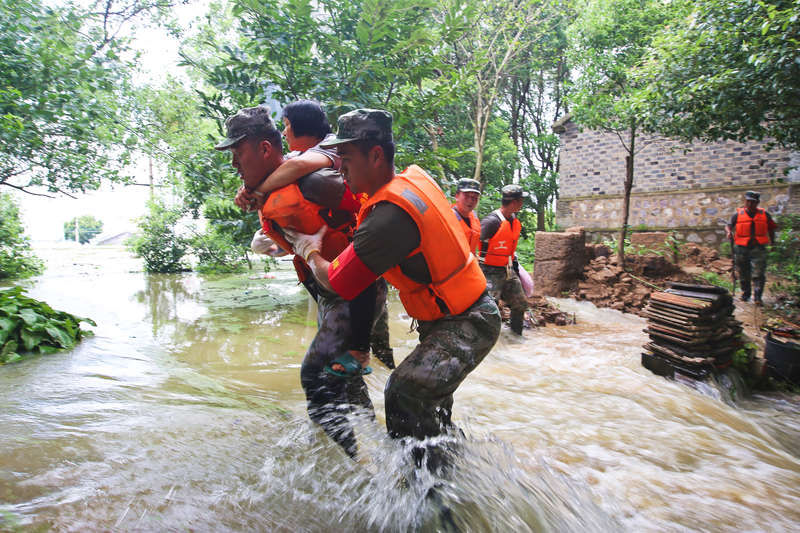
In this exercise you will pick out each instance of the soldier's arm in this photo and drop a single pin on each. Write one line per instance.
(731, 226)
(489, 226)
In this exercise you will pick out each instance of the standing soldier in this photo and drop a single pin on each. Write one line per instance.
(408, 234)
(468, 192)
(752, 229)
(500, 231)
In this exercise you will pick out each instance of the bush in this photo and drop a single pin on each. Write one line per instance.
(159, 243)
(16, 258)
(29, 326)
(217, 253)
(784, 256)
(712, 278)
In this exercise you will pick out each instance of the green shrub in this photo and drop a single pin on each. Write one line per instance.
(712, 278)
(31, 326)
(784, 256)
(217, 253)
(158, 242)
(526, 252)
(16, 258)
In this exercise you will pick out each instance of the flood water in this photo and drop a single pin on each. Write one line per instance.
(185, 412)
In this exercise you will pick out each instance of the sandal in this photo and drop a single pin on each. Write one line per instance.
(352, 368)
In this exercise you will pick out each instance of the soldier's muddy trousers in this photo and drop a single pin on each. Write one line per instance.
(330, 398)
(419, 393)
(504, 284)
(752, 263)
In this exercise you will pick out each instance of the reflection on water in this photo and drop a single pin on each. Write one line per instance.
(185, 412)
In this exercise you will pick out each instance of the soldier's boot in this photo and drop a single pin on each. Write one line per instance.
(758, 290)
(517, 317)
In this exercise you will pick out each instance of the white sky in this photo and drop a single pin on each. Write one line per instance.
(117, 206)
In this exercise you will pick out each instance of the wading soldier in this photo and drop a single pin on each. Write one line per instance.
(468, 192)
(407, 233)
(751, 228)
(255, 144)
(500, 231)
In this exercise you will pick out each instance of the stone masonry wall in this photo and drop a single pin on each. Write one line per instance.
(687, 188)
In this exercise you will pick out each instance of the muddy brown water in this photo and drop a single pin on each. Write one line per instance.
(185, 412)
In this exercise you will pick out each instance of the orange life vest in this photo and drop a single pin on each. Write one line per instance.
(472, 232)
(503, 244)
(288, 208)
(456, 279)
(744, 222)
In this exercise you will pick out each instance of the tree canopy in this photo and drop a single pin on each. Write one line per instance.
(62, 100)
(85, 228)
(726, 70)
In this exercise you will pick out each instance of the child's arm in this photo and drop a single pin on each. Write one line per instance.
(292, 170)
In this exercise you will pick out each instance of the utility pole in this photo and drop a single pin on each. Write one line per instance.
(152, 189)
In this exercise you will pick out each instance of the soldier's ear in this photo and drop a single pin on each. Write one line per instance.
(376, 154)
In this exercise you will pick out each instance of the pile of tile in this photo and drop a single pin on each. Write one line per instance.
(692, 331)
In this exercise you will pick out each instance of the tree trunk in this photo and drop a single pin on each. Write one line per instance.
(431, 131)
(626, 199)
(540, 221)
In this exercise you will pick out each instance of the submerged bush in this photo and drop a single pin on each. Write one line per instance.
(158, 242)
(31, 326)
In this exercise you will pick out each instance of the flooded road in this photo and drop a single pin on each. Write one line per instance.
(185, 412)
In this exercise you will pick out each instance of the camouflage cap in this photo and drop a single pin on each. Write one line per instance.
(362, 125)
(513, 192)
(752, 195)
(248, 121)
(468, 185)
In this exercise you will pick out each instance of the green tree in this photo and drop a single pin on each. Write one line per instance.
(488, 41)
(65, 92)
(727, 70)
(534, 100)
(609, 39)
(16, 258)
(86, 228)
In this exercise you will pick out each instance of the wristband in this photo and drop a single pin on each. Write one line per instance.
(309, 254)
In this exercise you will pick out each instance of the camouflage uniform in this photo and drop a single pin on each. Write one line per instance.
(503, 284)
(330, 398)
(379, 340)
(752, 264)
(419, 393)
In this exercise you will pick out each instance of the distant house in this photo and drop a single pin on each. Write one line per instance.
(687, 188)
(112, 239)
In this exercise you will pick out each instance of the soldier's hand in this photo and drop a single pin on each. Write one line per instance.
(243, 199)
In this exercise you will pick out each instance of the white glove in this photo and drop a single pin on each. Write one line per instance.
(304, 244)
(261, 244)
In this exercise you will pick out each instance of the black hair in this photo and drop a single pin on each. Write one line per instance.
(270, 133)
(307, 118)
(388, 148)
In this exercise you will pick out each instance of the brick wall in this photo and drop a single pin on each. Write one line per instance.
(676, 185)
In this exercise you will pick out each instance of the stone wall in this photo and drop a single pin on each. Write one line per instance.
(560, 258)
(687, 188)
